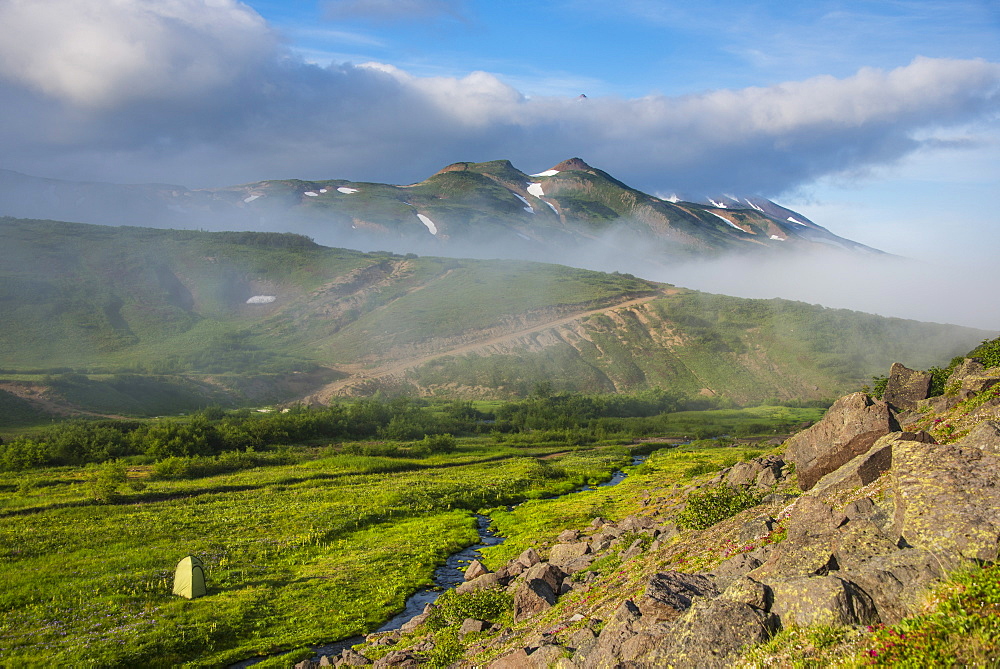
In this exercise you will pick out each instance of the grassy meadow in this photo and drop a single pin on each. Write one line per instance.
(296, 554)
(303, 543)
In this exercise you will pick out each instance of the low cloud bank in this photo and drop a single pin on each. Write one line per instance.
(945, 292)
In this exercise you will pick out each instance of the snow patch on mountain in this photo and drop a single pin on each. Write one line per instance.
(673, 198)
(753, 206)
(311, 193)
(546, 173)
(429, 223)
(527, 206)
(250, 199)
(347, 191)
(727, 221)
(720, 205)
(262, 299)
(777, 238)
(793, 220)
(536, 189)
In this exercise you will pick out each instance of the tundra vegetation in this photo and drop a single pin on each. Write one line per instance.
(314, 524)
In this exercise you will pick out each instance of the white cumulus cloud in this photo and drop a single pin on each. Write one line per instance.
(199, 92)
(103, 52)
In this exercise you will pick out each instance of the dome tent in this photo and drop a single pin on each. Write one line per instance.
(189, 578)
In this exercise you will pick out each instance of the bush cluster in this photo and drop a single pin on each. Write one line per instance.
(206, 434)
(704, 509)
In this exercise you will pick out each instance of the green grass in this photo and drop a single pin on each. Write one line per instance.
(296, 554)
(537, 522)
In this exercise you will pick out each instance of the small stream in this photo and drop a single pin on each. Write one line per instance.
(448, 576)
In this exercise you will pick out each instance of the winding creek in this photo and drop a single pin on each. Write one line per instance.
(448, 576)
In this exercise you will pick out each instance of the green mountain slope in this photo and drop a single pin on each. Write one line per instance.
(252, 316)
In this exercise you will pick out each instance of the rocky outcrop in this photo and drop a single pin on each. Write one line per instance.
(906, 387)
(867, 467)
(948, 496)
(823, 600)
(851, 426)
(761, 472)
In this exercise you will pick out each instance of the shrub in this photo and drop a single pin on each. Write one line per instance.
(939, 375)
(704, 509)
(988, 352)
(109, 478)
(698, 469)
(438, 443)
(878, 386)
(452, 608)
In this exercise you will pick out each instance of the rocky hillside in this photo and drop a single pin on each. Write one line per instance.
(851, 527)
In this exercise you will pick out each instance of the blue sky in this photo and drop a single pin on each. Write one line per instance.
(635, 48)
(879, 120)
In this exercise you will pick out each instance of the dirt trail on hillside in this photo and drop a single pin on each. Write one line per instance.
(42, 398)
(359, 374)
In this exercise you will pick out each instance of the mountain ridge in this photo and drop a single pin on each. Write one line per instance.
(464, 209)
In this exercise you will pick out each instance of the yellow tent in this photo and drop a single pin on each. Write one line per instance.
(189, 578)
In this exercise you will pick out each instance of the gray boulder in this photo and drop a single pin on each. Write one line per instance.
(563, 553)
(968, 367)
(623, 626)
(744, 473)
(755, 529)
(398, 658)
(948, 498)
(484, 582)
(547, 572)
(859, 541)
(472, 625)
(801, 555)
(568, 536)
(850, 427)
(712, 635)
(906, 387)
(984, 436)
(532, 657)
(531, 597)
(352, 658)
(745, 590)
(897, 582)
(529, 558)
(475, 570)
(738, 566)
(671, 593)
(971, 378)
(866, 467)
(821, 600)
(635, 523)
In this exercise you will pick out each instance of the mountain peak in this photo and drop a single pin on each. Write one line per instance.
(490, 166)
(573, 164)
